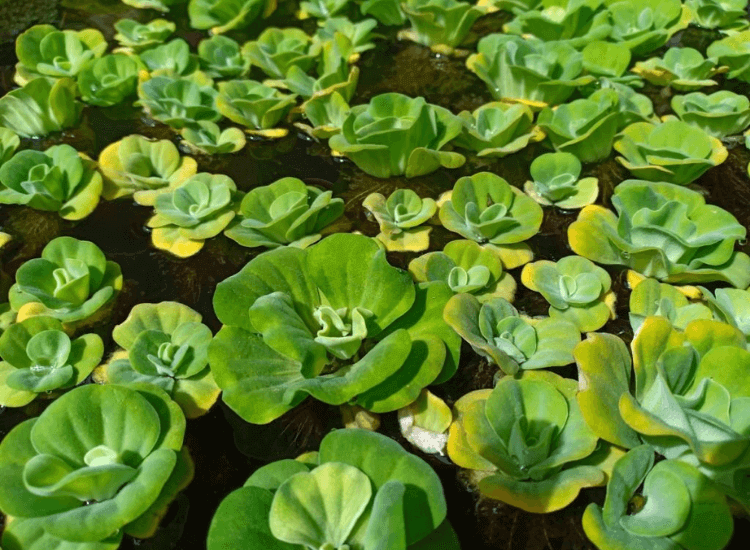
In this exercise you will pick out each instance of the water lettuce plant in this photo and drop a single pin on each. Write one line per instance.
(39, 357)
(70, 282)
(253, 105)
(332, 72)
(555, 180)
(108, 80)
(497, 129)
(325, 113)
(99, 462)
(733, 52)
(526, 442)
(498, 332)
(688, 401)
(277, 50)
(664, 231)
(40, 107)
(359, 34)
(207, 138)
(684, 69)
(135, 36)
(179, 101)
(165, 345)
(673, 151)
(43, 50)
(646, 25)
(361, 490)
(584, 127)
(720, 114)
(143, 168)
(342, 326)
(285, 212)
(575, 22)
(442, 24)
(677, 508)
(727, 15)
(172, 59)
(531, 72)
(399, 217)
(59, 180)
(197, 209)
(577, 290)
(395, 134)
(487, 209)
(221, 57)
(221, 16)
(466, 266)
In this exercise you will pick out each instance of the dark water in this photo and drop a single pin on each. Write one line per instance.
(226, 450)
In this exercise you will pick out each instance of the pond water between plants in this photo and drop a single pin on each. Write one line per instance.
(225, 449)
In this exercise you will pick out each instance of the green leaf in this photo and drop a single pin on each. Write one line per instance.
(320, 507)
(384, 460)
(242, 520)
(604, 370)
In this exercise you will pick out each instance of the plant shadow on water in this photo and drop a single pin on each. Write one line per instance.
(225, 449)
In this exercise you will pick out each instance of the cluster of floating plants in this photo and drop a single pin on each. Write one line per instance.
(415, 305)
